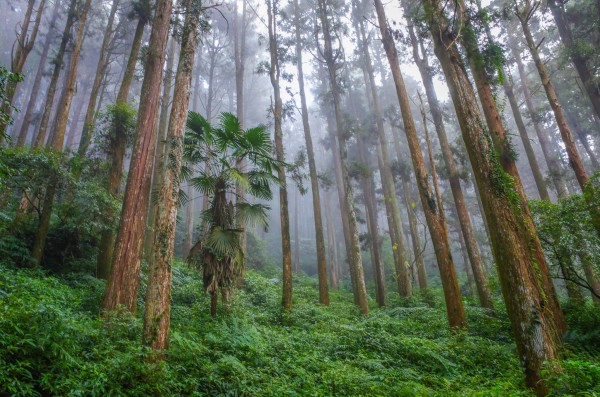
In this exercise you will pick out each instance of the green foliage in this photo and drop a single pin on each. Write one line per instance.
(79, 212)
(6, 78)
(568, 236)
(118, 118)
(52, 342)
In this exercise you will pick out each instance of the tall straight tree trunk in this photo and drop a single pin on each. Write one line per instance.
(122, 288)
(23, 46)
(414, 232)
(64, 107)
(533, 163)
(190, 207)
(433, 214)
(583, 140)
(74, 123)
(59, 137)
(561, 120)
(468, 272)
(553, 163)
(483, 290)
(296, 236)
(90, 115)
(385, 170)
(160, 149)
(312, 167)
(502, 144)
(331, 247)
(563, 127)
(117, 155)
(40, 137)
(337, 167)
(368, 188)
(421, 273)
(332, 67)
(37, 83)
(589, 82)
(509, 92)
(239, 46)
(158, 294)
(516, 247)
(274, 74)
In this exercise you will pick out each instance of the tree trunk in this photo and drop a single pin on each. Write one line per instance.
(239, 45)
(296, 236)
(516, 248)
(62, 114)
(40, 137)
(355, 258)
(90, 115)
(468, 272)
(37, 82)
(502, 144)
(533, 164)
(274, 74)
(368, 188)
(74, 123)
(475, 259)
(385, 171)
(561, 121)
(414, 232)
(158, 294)
(117, 156)
(555, 169)
(565, 132)
(58, 140)
(589, 82)
(331, 247)
(433, 214)
(23, 46)
(312, 168)
(160, 150)
(122, 287)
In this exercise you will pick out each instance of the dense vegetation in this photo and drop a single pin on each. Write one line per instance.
(53, 342)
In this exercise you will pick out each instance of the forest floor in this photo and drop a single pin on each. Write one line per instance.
(52, 342)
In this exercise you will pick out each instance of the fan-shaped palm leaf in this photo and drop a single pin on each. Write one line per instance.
(204, 183)
(252, 214)
(224, 242)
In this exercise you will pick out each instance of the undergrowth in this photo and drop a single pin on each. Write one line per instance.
(53, 342)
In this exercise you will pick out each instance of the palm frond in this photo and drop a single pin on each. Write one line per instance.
(252, 214)
(258, 140)
(240, 178)
(182, 198)
(205, 184)
(198, 126)
(230, 123)
(224, 242)
(186, 172)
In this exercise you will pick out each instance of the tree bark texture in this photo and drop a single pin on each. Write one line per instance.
(475, 259)
(117, 155)
(529, 307)
(122, 288)
(90, 115)
(158, 294)
(355, 259)
(40, 137)
(274, 74)
(433, 214)
(312, 168)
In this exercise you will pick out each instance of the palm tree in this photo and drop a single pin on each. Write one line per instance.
(219, 252)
